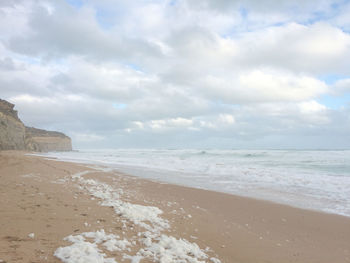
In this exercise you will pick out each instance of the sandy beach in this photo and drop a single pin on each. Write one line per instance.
(43, 201)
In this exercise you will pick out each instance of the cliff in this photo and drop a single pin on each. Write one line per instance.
(45, 141)
(15, 136)
(12, 130)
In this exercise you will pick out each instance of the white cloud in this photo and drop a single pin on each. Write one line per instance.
(314, 113)
(217, 122)
(281, 86)
(203, 70)
(108, 81)
(263, 86)
(163, 124)
(226, 119)
(317, 48)
(86, 137)
(311, 107)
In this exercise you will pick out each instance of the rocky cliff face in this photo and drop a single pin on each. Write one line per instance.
(12, 130)
(45, 141)
(15, 136)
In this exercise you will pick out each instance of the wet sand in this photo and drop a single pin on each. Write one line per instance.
(38, 196)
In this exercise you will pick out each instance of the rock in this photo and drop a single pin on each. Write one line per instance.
(44, 141)
(12, 130)
(15, 136)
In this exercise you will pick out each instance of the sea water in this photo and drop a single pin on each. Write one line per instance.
(317, 180)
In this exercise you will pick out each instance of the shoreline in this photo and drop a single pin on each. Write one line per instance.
(123, 171)
(236, 229)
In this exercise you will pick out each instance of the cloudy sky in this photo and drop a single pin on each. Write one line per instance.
(180, 73)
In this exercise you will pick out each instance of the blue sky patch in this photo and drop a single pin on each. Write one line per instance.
(119, 106)
(335, 102)
(75, 3)
(332, 78)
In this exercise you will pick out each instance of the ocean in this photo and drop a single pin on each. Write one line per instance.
(310, 179)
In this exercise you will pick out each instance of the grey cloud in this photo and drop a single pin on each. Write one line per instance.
(7, 64)
(341, 87)
(10, 3)
(257, 130)
(10, 88)
(61, 79)
(265, 6)
(68, 31)
(70, 113)
(254, 123)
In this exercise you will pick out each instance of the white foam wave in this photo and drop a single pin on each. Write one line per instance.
(317, 180)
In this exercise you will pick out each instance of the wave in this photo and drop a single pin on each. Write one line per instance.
(310, 179)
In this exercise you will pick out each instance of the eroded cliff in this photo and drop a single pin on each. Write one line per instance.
(15, 136)
(12, 130)
(45, 141)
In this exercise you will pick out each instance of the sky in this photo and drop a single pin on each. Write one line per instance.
(227, 74)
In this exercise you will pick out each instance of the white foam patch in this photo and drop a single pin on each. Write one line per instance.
(168, 249)
(117, 245)
(32, 175)
(80, 174)
(90, 246)
(83, 250)
(27, 175)
(144, 216)
(110, 241)
(100, 190)
(133, 259)
(140, 214)
(60, 181)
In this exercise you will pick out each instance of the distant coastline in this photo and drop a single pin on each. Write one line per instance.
(14, 135)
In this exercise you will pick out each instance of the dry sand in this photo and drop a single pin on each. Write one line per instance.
(36, 197)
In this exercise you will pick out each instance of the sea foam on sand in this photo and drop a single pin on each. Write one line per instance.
(90, 246)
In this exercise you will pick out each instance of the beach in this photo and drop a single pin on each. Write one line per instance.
(115, 216)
